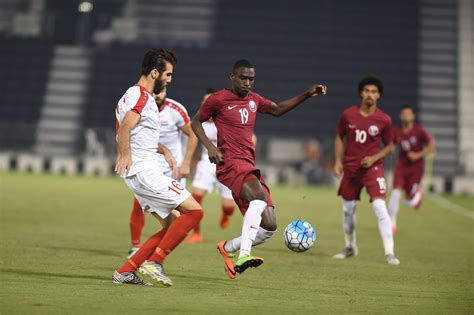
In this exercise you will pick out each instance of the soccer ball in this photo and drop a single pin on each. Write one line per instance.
(299, 236)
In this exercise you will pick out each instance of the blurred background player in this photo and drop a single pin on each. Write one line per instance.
(205, 180)
(364, 127)
(175, 123)
(415, 143)
(234, 112)
(138, 133)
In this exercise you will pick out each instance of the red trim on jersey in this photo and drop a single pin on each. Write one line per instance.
(183, 114)
(142, 100)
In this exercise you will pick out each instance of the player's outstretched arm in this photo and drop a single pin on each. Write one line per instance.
(278, 109)
(215, 156)
(185, 167)
(124, 154)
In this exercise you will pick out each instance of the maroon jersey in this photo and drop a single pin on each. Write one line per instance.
(234, 117)
(414, 140)
(363, 134)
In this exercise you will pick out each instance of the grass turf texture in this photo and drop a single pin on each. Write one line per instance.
(62, 237)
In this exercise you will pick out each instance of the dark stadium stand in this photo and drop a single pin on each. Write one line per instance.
(25, 64)
(283, 68)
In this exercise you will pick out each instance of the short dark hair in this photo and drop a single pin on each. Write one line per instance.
(156, 58)
(371, 80)
(210, 91)
(405, 106)
(242, 63)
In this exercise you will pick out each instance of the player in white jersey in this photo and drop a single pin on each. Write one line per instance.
(175, 122)
(205, 180)
(138, 135)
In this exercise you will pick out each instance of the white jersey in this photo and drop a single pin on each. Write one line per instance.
(211, 132)
(205, 176)
(173, 117)
(145, 136)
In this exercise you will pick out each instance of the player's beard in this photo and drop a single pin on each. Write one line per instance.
(159, 86)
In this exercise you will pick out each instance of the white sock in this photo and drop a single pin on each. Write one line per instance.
(263, 235)
(349, 222)
(394, 205)
(385, 225)
(250, 226)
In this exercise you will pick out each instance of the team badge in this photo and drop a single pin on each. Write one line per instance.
(253, 106)
(373, 130)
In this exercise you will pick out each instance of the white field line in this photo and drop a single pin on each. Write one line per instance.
(451, 206)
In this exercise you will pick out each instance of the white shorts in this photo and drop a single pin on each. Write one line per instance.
(167, 172)
(156, 192)
(205, 178)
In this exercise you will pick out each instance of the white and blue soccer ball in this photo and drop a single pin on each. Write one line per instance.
(299, 236)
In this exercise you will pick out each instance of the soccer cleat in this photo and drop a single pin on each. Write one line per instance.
(225, 221)
(194, 238)
(132, 252)
(247, 261)
(155, 271)
(228, 264)
(392, 260)
(346, 253)
(128, 278)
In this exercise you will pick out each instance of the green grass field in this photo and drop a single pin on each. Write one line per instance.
(62, 237)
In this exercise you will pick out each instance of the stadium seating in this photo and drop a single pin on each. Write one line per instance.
(23, 96)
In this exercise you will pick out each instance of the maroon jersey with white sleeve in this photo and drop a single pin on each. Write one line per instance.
(364, 135)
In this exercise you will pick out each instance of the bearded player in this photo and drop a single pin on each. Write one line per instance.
(364, 127)
(234, 113)
(175, 123)
(415, 143)
(138, 134)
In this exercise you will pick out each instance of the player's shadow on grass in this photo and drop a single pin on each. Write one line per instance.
(23, 272)
(105, 252)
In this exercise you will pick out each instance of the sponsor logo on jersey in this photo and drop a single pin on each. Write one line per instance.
(352, 126)
(253, 106)
(231, 107)
(373, 130)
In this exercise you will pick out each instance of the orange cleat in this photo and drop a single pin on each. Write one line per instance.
(194, 238)
(228, 264)
(225, 221)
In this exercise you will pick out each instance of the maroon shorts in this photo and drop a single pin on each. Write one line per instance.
(354, 179)
(234, 173)
(407, 178)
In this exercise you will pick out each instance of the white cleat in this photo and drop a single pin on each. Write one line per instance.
(346, 253)
(392, 260)
(155, 271)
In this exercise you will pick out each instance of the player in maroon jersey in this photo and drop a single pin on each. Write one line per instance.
(234, 113)
(415, 143)
(364, 127)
